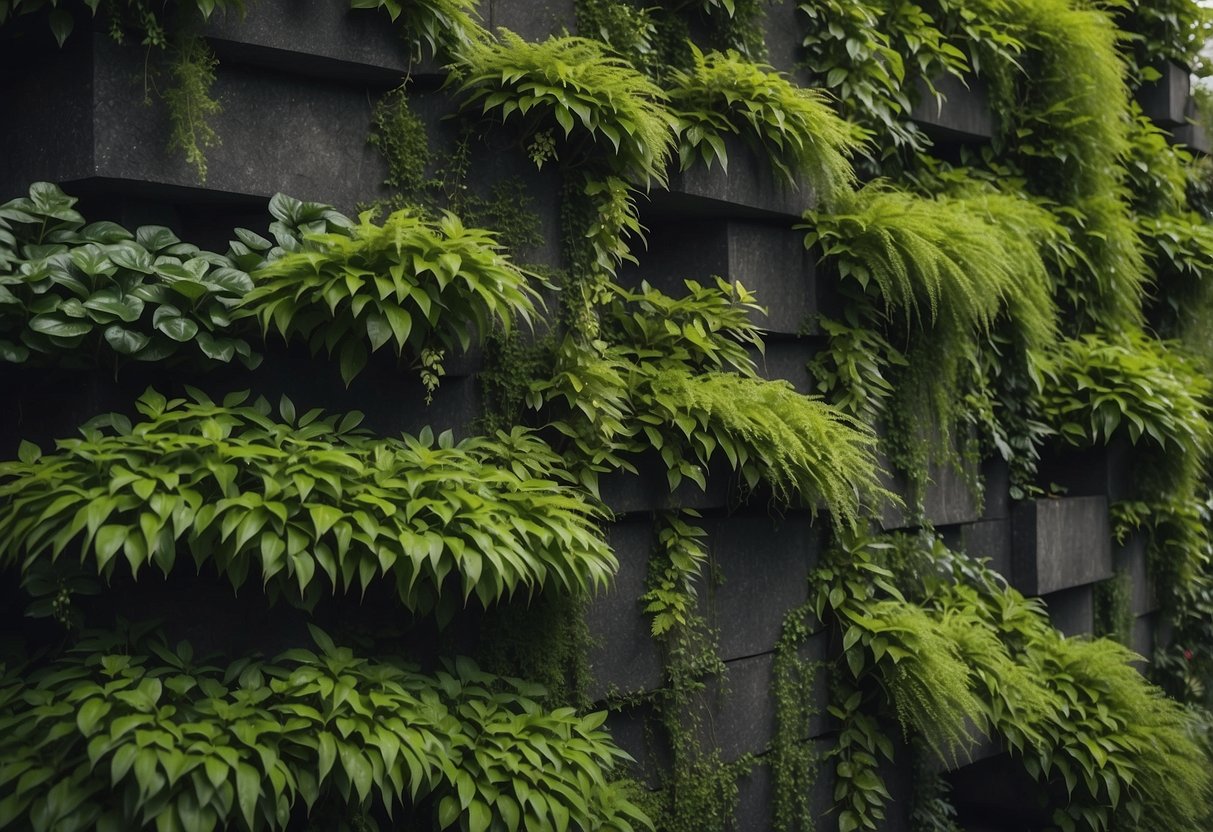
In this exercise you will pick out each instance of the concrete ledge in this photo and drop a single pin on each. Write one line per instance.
(1164, 101)
(963, 114)
(1072, 610)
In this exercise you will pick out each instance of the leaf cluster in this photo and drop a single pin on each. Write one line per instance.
(444, 27)
(411, 282)
(112, 740)
(72, 292)
(1102, 387)
(305, 501)
(723, 94)
(603, 107)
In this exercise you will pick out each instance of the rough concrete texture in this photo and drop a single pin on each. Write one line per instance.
(1060, 544)
(951, 109)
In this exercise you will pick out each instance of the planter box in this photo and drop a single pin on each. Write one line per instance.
(962, 114)
(648, 489)
(750, 190)
(1105, 470)
(770, 260)
(1059, 544)
(787, 358)
(1194, 137)
(996, 476)
(1072, 610)
(1164, 101)
(82, 117)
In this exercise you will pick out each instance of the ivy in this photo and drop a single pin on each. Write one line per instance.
(118, 738)
(305, 501)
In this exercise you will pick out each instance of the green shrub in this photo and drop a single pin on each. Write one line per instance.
(603, 107)
(411, 282)
(726, 95)
(293, 500)
(442, 26)
(1099, 388)
(81, 294)
(113, 738)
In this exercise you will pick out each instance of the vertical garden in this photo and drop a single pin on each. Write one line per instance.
(592, 414)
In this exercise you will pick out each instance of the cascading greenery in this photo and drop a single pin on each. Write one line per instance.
(117, 736)
(291, 501)
(935, 275)
(943, 645)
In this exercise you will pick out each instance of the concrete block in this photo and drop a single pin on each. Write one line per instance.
(783, 28)
(787, 358)
(1194, 137)
(742, 717)
(749, 190)
(649, 490)
(961, 113)
(763, 567)
(1163, 101)
(279, 132)
(768, 259)
(1132, 558)
(323, 38)
(531, 19)
(986, 539)
(624, 658)
(1072, 610)
(756, 793)
(948, 500)
(996, 478)
(1143, 638)
(1060, 544)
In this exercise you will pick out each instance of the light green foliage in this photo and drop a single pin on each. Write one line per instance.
(630, 31)
(678, 562)
(443, 27)
(1065, 120)
(72, 293)
(947, 262)
(113, 740)
(189, 101)
(1123, 752)
(723, 94)
(411, 282)
(304, 499)
(603, 107)
(1156, 172)
(1133, 385)
(853, 370)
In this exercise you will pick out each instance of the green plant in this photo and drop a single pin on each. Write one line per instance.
(1164, 30)
(84, 294)
(1113, 608)
(189, 102)
(602, 106)
(305, 497)
(410, 282)
(116, 737)
(1132, 384)
(1179, 249)
(723, 94)
(443, 26)
(631, 32)
(795, 762)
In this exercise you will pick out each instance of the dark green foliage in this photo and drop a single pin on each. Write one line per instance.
(116, 738)
(81, 294)
(292, 500)
(1113, 608)
(1179, 249)
(1163, 30)
(724, 95)
(400, 136)
(602, 106)
(411, 282)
